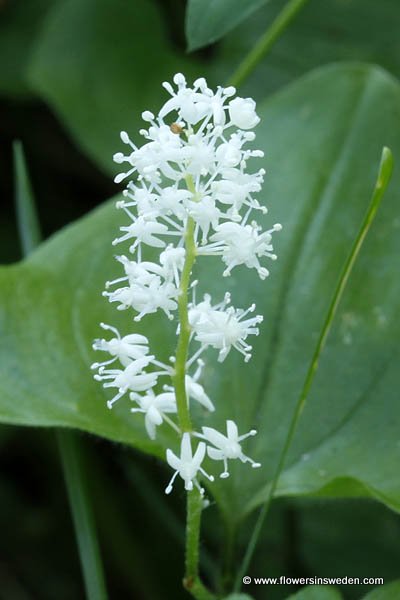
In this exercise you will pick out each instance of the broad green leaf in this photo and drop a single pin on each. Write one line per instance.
(323, 137)
(209, 20)
(391, 591)
(317, 592)
(99, 66)
(20, 24)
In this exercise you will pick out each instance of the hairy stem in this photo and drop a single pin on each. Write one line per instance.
(267, 40)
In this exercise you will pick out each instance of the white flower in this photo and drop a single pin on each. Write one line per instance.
(137, 272)
(227, 446)
(223, 328)
(171, 201)
(188, 465)
(205, 214)
(125, 349)
(235, 188)
(195, 391)
(242, 112)
(146, 298)
(243, 244)
(154, 408)
(144, 231)
(172, 260)
(131, 378)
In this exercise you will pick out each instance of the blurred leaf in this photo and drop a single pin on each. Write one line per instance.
(317, 592)
(323, 32)
(391, 591)
(20, 24)
(99, 66)
(28, 223)
(238, 597)
(209, 20)
(324, 136)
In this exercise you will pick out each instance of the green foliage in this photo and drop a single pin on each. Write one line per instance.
(391, 591)
(323, 32)
(20, 24)
(317, 592)
(323, 136)
(238, 597)
(209, 20)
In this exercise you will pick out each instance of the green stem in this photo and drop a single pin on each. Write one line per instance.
(184, 331)
(192, 581)
(267, 40)
(68, 442)
(384, 174)
(184, 326)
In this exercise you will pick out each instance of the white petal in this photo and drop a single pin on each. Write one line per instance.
(173, 460)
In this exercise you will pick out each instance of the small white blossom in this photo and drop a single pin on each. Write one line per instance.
(144, 231)
(242, 112)
(146, 298)
(132, 378)
(187, 465)
(194, 390)
(227, 446)
(223, 328)
(154, 408)
(125, 349)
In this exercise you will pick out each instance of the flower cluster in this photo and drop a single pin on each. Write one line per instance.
(188, 195)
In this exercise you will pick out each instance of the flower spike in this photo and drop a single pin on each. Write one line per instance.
(189, 195)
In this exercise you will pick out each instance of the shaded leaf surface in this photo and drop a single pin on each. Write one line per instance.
(323, 138)
(317, 592)
(209, 20)
(20, 24)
